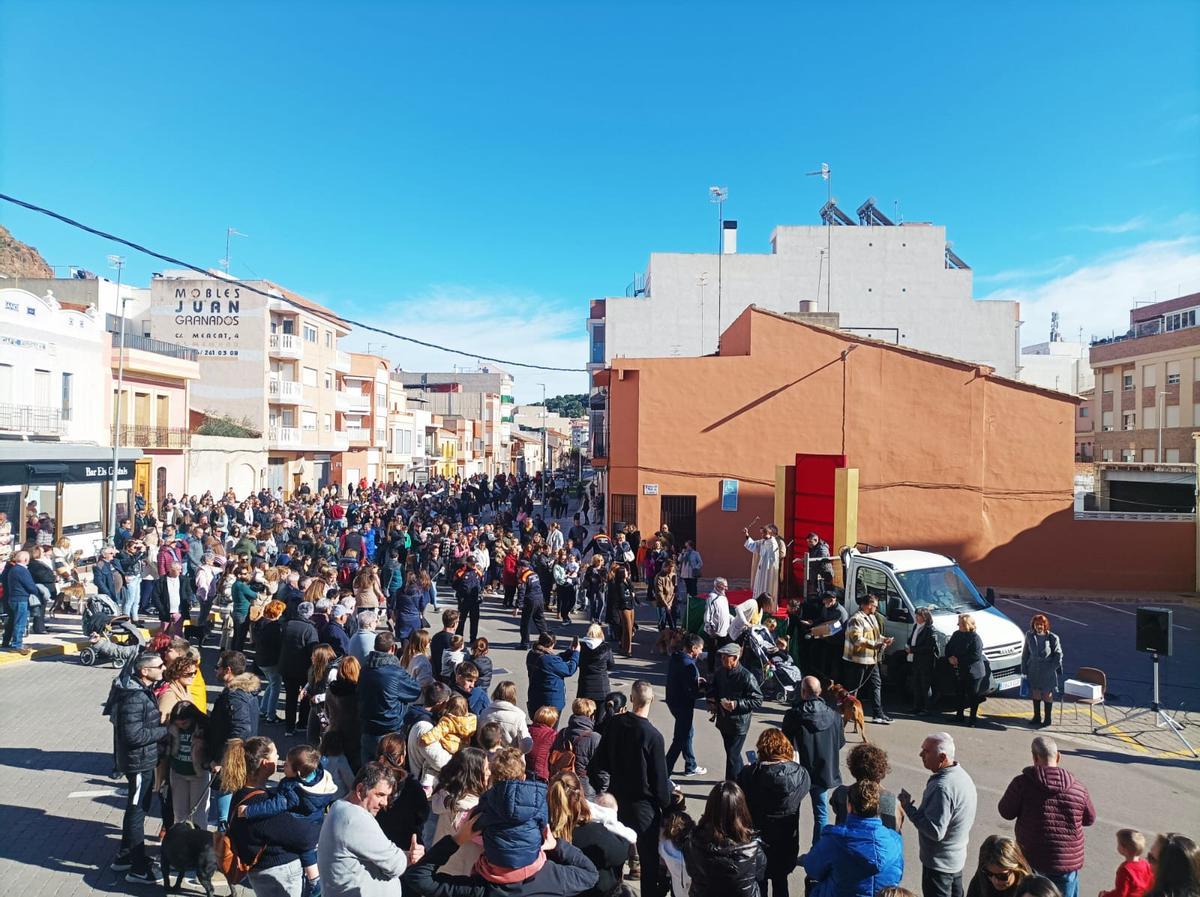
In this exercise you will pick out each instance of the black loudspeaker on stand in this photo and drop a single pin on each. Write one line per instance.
(1154, 638)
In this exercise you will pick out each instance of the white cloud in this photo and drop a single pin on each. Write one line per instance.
(1098, 296)
(1056, 266)
(507, 325)
(1137, 222)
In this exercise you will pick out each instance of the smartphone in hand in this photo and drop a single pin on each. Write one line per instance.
(752, 757)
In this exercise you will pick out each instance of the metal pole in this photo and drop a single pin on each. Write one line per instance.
(1161, 407)
(829, 246)
(544, 448)
(112, 496)
(720, 253)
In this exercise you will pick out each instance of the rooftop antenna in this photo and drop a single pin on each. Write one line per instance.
(230, 232)
(826, 174)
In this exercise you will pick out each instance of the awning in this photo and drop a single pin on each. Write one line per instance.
(33, 463)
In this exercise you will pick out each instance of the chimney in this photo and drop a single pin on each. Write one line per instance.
(729, 237)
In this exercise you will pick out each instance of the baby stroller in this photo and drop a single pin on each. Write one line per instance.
(117, 637)
(777, 674)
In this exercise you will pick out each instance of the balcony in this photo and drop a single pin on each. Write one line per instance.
(335, 441)
(142, 436)
(358, 435)
(283, 437)
(285, 345)
(341, 362)
(350, 401)
(35, 420)
(145, 343)
(285, 392)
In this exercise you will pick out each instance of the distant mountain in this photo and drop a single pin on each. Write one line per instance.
(18, 259)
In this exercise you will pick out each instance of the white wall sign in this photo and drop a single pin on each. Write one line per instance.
(650, 489)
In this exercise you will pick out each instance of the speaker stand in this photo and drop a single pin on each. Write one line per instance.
(1162, 720)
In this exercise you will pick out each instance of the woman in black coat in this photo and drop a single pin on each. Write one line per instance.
(774, 788)
(965, 653)
(595, 661)
(724, 855)
(922, 652)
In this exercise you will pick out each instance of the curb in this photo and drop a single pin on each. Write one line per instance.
(55, 649)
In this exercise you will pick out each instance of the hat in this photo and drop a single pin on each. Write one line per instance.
(732, 649)
(340, 610)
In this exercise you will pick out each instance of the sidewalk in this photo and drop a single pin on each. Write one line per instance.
(64, 635)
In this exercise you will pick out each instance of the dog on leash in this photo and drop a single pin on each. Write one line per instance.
(849, 707)
(187, 847)
(668, 640)
(69, 600)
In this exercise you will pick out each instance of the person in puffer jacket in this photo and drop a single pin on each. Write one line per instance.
(774, 788)
(1051, 808)
(581, 737)
(512, 820)
(724, 856)
(860, 857)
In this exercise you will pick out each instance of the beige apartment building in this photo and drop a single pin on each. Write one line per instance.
(1147, 392)
(362, 405)
(271, 362)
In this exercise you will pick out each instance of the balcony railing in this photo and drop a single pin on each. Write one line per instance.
(284, 392)
(144, 436)
(285, 345)
(145, 343)
(352, 401)
(341, 362)
(284, 436)
(358, 434)
(33, 419)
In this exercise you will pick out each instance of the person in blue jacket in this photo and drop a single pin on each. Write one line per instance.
(18, 588)
(385, 691)
(548, 673)
(857, 858)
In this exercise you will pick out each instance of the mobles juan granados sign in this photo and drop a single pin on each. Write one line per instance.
(209, 320)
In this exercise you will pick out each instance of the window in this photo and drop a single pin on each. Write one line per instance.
(1106, 420)
(1148, 456)
(309, 376)
(328, 339)
(1172, 456)
(66, 395)
(1129, 420)
(309, 419)
(380, 401)
(329, 379)
(1085, 411)
(328, 423)
(1172, 417)
(289, 418)
(597, 356)
(1108, 454)
(1172, 373)
(1181, 319)
(41, 389)
(310, 334)
(162, 411)
(1128, 455)
(1127, 382)
(1150, 375)
(1149, 418)
(625, 508)
(1108, 382)
(404, 441)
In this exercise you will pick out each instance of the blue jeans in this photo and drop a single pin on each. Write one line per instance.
(819, 797)
(220, 808)
(681, 740)
(131, 596)
(1066, 882)
(19, 613)
(268, 703)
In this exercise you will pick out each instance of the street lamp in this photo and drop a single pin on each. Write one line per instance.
(826, 174)
(117, 262)
(718, 195)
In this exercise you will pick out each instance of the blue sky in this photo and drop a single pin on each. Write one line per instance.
(474, 173)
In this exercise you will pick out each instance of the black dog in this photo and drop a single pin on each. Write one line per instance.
(187, 847)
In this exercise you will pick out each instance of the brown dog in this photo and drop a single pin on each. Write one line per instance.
(668, 641)
(850, 709)
(69, 600)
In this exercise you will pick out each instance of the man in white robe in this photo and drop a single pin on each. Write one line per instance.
(766, 554)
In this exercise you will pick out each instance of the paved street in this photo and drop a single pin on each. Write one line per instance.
(62, 814)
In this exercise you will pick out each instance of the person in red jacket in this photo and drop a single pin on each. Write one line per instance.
(1134, 875)
(1051, 808)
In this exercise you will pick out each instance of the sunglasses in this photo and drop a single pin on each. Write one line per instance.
(1006, 875)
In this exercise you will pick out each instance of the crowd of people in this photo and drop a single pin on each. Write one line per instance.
(416, 767)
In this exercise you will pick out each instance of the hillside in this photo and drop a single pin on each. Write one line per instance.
(20, 260)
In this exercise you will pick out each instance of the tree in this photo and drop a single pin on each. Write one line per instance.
(568, 405)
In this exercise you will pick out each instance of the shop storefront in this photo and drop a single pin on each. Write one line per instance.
(69, 484)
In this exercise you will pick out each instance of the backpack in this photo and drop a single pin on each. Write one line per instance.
(562, 754)
(229, 862)
(345, 575)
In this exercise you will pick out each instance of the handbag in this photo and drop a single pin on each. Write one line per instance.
(628, 556)
(1024, 691)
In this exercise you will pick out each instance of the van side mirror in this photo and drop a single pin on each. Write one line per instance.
(990, 597)
(896, 611)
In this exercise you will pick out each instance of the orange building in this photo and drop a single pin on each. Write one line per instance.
(951, 457)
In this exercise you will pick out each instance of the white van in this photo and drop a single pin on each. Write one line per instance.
(903, 580)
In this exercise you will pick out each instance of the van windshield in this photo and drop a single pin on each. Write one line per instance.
(942, 589)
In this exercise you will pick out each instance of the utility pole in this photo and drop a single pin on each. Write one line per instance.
(545, 460)
(117, 262)
(826, 174)
(230, 232)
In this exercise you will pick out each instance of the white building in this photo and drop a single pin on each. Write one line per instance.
(1058, 365)
(900, 283)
